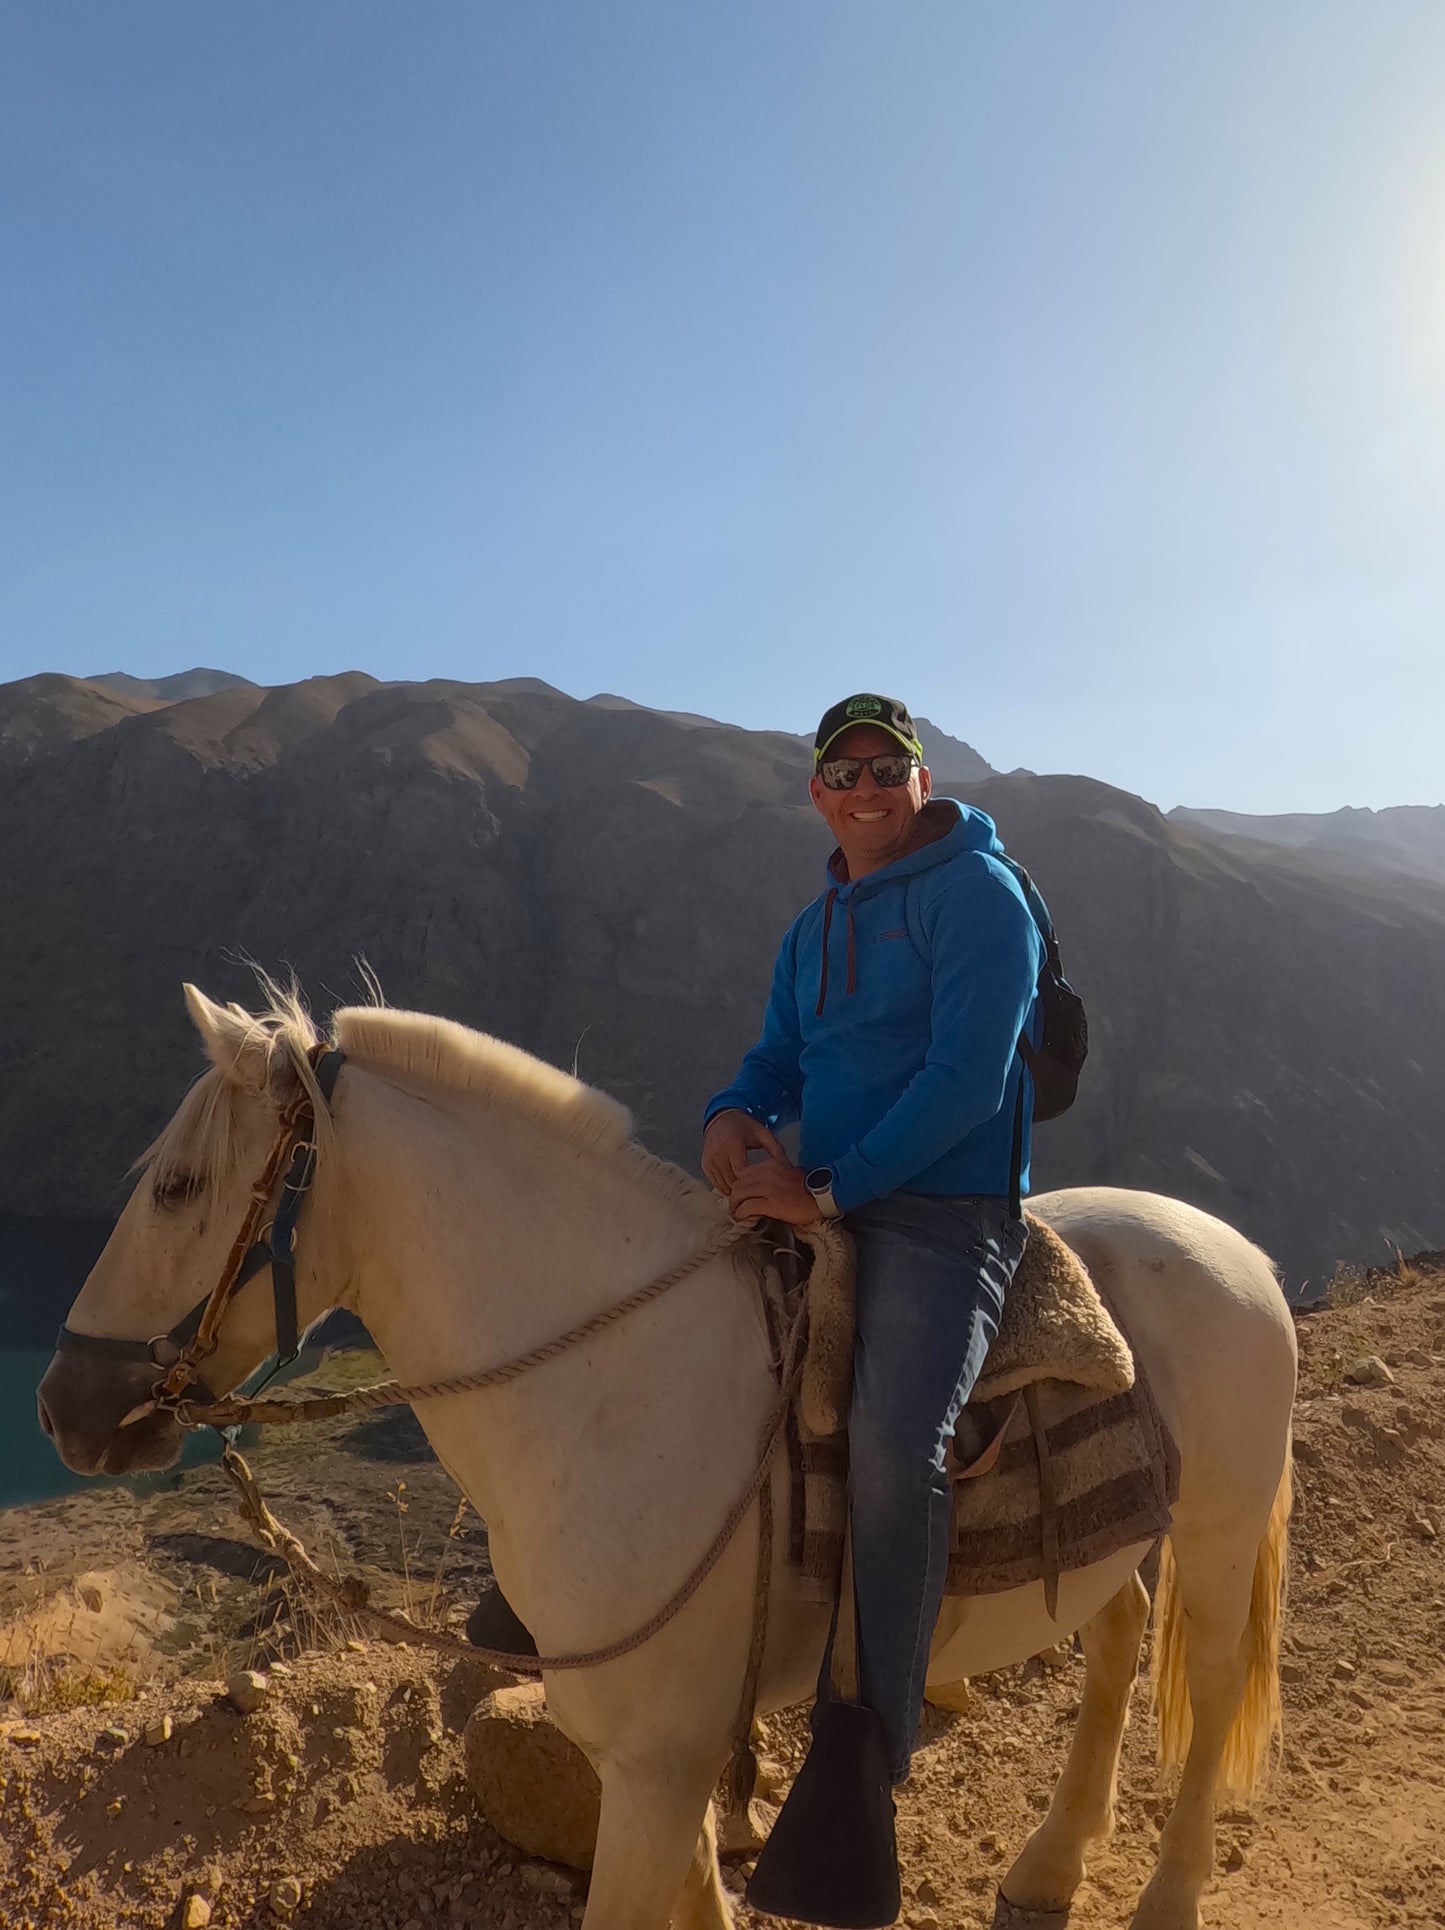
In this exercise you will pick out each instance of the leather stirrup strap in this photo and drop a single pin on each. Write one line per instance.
(742, 1770)
(844, 1676)
(986, 1462)
(1048, 1503)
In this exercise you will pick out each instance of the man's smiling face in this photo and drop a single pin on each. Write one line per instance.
(872, 825)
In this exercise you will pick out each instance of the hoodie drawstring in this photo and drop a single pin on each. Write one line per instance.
(828, 904)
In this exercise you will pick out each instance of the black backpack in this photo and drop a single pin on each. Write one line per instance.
(1056, 1062)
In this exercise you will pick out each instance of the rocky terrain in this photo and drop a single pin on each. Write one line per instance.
(1404, 838)
(606, 885)
(341, 1802)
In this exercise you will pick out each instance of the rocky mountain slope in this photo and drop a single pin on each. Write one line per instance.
(606, 886)
(170, 690)
(1406, 837)
(345, 1790)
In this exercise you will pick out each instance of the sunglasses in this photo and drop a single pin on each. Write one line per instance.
(890, 769)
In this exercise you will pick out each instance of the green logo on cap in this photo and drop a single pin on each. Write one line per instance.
(863, 707)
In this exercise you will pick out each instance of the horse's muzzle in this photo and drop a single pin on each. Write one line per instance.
(81, 1404)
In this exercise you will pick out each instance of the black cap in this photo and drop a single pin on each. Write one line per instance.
(884, 713)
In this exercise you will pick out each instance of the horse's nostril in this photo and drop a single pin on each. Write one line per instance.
(45, 1421)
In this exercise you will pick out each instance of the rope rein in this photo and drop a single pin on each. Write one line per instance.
(736, 1515)
(350, 1593)
(321, 1407)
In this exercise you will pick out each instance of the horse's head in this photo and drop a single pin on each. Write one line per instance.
(171, 1245)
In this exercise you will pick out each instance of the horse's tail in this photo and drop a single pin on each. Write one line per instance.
(1257, 1725)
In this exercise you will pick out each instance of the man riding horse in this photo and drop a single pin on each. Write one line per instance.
(891, 1032)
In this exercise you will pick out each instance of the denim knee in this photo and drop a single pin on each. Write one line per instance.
(887, 1470)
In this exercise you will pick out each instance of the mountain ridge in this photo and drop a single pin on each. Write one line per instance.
(1400, 837)
(558, 872)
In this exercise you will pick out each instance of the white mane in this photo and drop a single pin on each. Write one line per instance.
(415, 1048)
(419, 1048)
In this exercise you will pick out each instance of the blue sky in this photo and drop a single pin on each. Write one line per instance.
(1076, 371)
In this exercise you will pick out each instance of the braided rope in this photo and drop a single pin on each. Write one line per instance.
(320, 1407)
(349, 1594)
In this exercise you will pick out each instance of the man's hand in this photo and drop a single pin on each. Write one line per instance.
(730, 1137)
(772, 1189)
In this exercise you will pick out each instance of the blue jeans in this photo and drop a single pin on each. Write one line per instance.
(932, 1273)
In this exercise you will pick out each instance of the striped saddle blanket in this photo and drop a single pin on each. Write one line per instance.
(1060, 1458)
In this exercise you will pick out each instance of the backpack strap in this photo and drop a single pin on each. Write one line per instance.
(1039, 912)
(911, 919)
(1016, 1156)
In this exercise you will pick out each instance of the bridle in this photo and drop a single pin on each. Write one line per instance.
(178, 1355)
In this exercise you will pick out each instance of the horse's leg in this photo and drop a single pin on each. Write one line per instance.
(1051, 1865)
(656, 1860)
(1215, 1579)
(704, 1904)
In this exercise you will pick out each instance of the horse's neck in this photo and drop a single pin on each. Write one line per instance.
(472, 1238)
(471, 1241)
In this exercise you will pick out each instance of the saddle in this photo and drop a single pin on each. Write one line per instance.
(1059, 1459)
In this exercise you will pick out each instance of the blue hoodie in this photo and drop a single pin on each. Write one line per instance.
(892, 1026)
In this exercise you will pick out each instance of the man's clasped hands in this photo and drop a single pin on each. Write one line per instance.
(771, 1188)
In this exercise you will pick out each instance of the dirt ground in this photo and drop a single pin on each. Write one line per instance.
(346, 1789)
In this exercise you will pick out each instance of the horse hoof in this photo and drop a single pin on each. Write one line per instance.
(1011, 1916)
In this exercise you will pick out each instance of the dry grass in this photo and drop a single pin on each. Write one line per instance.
(50, 1683)
(1351, 1285)
(296, 1616)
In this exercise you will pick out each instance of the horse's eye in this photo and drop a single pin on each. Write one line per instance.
(176, 1189)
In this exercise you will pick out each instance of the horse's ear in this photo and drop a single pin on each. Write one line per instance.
(232, 1039)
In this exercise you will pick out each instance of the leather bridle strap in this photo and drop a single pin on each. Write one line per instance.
(294, 1153)
(276, 1245)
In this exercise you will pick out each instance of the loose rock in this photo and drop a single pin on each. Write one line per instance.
(195, 1912)
(285, 1897)
(533, 1786)
(159, 1731)
(744, 1832)
(1370, 1371)
(249, 1690)
(546, 1880)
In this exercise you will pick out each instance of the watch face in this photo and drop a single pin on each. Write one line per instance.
(820, 1180)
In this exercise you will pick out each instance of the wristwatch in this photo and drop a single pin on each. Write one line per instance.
(819, 1183)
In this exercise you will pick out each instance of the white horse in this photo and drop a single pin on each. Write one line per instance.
(471, 1203)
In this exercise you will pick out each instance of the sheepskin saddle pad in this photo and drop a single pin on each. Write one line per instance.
(1059, 1459)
